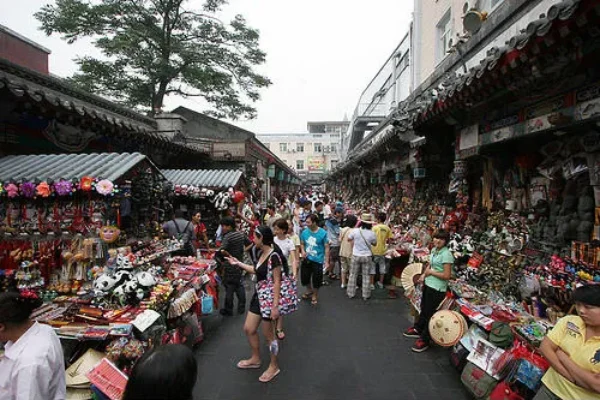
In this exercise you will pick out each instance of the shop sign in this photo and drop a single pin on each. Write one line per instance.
(469, 137)
(500, 123)
(588, 103)
(280, 175)
(498, 135)
(316, 164)
(271, 171)
(464, 154)
(233, 150)
(556, 112)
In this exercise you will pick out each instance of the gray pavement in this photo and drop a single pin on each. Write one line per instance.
(341, 349)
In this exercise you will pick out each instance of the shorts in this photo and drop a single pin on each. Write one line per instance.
(255, 307)
(311, 272)
(345, 263)
(382, 263)
(334, 255)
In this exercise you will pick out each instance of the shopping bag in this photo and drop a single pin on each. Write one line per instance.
(288, 300)
(505, 391)
(207, 304)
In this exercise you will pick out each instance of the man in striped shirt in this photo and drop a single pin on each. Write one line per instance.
(233, 245)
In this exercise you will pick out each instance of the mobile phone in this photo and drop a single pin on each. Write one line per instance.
(225, 253)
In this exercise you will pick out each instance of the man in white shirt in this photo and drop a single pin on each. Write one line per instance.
(362, 257)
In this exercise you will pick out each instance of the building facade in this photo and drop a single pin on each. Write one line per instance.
(312, 155)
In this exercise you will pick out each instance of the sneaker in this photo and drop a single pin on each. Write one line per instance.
(420, 346)
(372, 287)
(343, 286)
(379, 285)
(411, 333)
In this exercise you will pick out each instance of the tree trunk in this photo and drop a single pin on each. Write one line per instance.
(159, 97)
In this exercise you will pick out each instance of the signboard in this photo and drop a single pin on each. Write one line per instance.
(588, 103)
(556, 112)
(229, 150)
(469, 137)
(271, 171)
(316, 164)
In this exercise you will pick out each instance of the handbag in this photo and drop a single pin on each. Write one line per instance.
(504, 391)
(288, 299)
(477, 381)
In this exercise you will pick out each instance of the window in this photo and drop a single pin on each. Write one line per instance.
(318, 148)
(334, 135)
(444, 36)
(300, 147)
(334, 164)
(299, 165)
(333, 148)
(283, 147)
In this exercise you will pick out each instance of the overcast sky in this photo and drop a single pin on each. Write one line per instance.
(321, 54)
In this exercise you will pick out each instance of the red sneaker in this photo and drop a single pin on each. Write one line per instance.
(420, 346)
(411, 333)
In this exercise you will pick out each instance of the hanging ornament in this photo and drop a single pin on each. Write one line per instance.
(43, 189)
(85, 184)
(238, 197)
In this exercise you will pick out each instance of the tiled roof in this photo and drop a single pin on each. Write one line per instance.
(68, 166)
(210, 178)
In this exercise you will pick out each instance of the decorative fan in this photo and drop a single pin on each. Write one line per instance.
(410, 276)
(447, 327)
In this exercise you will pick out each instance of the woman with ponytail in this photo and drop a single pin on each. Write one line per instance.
(268, 255)
(33, 365)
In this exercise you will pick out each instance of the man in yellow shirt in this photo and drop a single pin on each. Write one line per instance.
(573, 350)
(383, 233)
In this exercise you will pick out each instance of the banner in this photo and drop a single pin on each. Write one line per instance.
(316, 164)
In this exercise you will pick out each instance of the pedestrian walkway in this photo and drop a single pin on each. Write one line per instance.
(342, 349)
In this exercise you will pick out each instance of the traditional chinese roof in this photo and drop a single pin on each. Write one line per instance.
(209, 178)
(45, 167)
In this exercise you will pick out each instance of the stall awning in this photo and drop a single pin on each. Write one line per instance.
(209, 178)
(44, 167)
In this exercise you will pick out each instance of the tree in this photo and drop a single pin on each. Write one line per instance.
(155, 48)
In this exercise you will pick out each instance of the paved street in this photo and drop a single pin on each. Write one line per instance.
(343, 349)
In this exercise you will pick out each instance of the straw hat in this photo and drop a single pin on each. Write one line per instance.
(447, 327)
(410, 276)
(366, 218)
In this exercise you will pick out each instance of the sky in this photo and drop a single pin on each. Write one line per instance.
(321, 54)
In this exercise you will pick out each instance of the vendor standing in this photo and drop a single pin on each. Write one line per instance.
(32, 367)
(435, 284)
(573, 350)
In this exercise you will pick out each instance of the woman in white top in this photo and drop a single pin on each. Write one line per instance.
(346, 247)
(362, 257)
(32, 367)
(286, 244)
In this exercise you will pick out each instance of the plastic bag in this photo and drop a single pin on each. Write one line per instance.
(207, 304)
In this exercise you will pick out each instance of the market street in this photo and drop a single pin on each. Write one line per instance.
(343, 349)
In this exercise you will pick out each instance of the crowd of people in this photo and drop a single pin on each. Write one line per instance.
(317, 242)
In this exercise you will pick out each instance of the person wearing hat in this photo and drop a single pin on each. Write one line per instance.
(573, 350)
(362, 257)
(435, 279)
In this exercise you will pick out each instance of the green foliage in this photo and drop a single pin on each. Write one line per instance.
(155, 48)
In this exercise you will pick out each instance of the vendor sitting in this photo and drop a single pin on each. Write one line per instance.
(573, 350)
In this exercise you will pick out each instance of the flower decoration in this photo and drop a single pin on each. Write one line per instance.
(43, 189)
(63, 188)
(85, 183)
(105, 187)
(28, 189)
(12, 190)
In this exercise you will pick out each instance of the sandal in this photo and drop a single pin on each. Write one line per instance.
(280, 334)
(264, 378)
(314, 302)
(246, 364)
(333, 277)
(307, 296)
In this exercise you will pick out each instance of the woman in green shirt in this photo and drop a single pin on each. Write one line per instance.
(435, 283)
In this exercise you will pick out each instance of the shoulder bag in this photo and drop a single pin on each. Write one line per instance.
(288, 299)
(365, 240)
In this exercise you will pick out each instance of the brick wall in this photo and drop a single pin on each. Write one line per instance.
(19, 51)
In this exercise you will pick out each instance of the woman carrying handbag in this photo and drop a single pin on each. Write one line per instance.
(269, 275)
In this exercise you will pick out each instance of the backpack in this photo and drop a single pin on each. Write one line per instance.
(188, 248)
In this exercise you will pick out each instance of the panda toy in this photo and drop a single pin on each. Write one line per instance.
(222, 201)
(122, 277)
(124, 263)
(145, 279)
(131, 286)
(104, 283)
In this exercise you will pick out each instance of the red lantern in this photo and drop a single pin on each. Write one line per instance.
(238, 197)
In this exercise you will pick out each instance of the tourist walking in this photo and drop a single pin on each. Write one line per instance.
(333, 227)
(314, 247)
(270, 258)
(383, 233)
(33, 364)
(362, 257)
(288, 249)
(346, 248)
(435, 279)
(272, 215)
(233, 244)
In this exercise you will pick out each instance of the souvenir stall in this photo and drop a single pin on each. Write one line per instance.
(210, 192)
(82, 233)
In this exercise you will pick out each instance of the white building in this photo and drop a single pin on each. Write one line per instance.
(312, 154)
